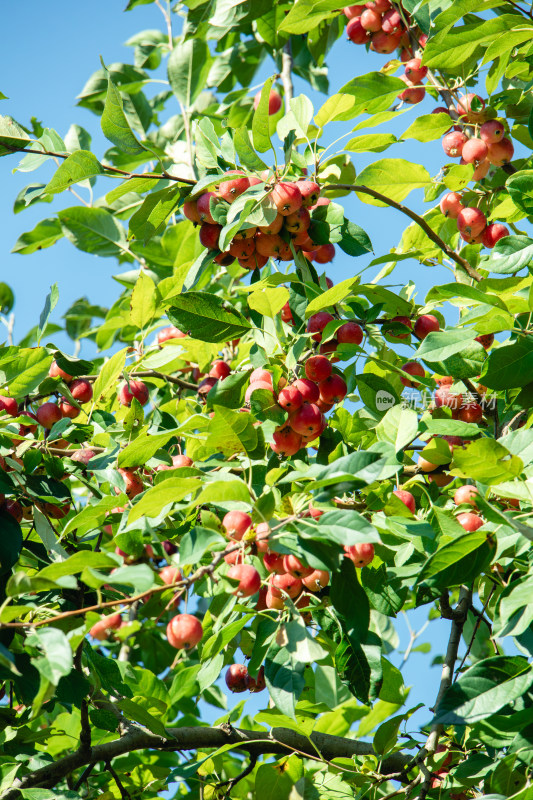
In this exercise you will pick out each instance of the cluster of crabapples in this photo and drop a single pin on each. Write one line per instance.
(472, 223)
(252, 246)
(47, 414)
(487, 146)
(464, 496)
(306, 401)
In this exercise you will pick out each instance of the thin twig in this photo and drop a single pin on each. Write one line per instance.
(123, 792)
(480, 617)
(420, 221)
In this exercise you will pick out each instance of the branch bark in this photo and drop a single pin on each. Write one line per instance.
(420, 221)
(286, 73)
(279, 741)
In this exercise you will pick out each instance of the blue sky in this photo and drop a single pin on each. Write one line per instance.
(49, 52)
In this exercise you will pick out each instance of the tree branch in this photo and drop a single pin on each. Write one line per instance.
(420, 221)
(286, 73)
(278, 741)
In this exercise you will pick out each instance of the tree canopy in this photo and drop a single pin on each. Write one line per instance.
(261, 470)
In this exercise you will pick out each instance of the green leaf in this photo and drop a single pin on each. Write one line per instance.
(399, 426)
(45, 234)
(450, 49)
(440, 345)
(487, 461)
(93, 230)
(108, 376)
(115, 125)
(207, 317)
(301, 644)
(162, 495)
(285, 681)
(509, 255)
(514, 611)
(260, 120)
(25, 373)
(343, 526)
(151, 218)
(188, 67)
(228, 392)
(427, 127)
(307, 14)
(56, 660)
(144, 300)
(509, 365)
(49, 304)
(247, 155)
(484, 689)
(393, 177)
(520, 187)
(134, 710)
(371, 93)
(12, 134)
(195, 542)
(354, 240)
(371, 143)
(331, 296)
(80, 165)
(459, 561)
(269, 302)
(76, 563)
(144, 447)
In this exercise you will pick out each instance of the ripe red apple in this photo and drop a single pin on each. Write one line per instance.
(481, 169)
(316, 580)
(473, 413)
(224, 259)
(254, 387)
(325, 253)
(236, 524)
(209, 235)
(333, 389)
(493, 233)
(287, 198)
(406, 498)
(286, 441)
(219, 370)
(242, 248)
(451, 205)
(492, 131)
(371, 20)
(190, 212)
(379, 5)
(205, 386)
(81, 390)
(248, 577)
(274, 101)
(83, 455)
(424, 325)
(353, 11)
(56, 372)
(385, 43)
(274, 562)
(412, 94)
(453, 143)
(170, 332)
(471, 221)
(318, 368)
(14, 508)
(102, 629)
(290, 398)
(286, 314)
(256, 684)
(464, 107)
(298, 222)
(274, 226)
(308, 389)
(170, 575)
(404, 321)
(355, 31)
(443, 397)
(48, 414)
(415, 71)
(203, 205)
(68, 410)
(501, 153)
(486, 339)
(361, 554)
(261, 375)
(272, 601)
(285, 583)
(184, 631)
(350, 333)
(310, 192)
(317, 323)
(466, 494)
(134, 484)
(236, 678)
(415, 369)
(295, 567)
(137, 389)
(392, 22)
(230, 190)
(469, 521)
(24, 429)
(474, 150)
(306, 420)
